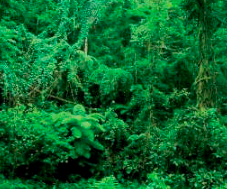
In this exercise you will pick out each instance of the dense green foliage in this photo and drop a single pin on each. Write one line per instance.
(113, 94)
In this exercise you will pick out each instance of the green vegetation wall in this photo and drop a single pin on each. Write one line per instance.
(120, 92)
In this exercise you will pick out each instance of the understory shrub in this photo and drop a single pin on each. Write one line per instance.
(189, 152)
(43, 145)
(195, 147)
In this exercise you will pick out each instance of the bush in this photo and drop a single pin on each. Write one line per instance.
(40, 143)
(195, 145)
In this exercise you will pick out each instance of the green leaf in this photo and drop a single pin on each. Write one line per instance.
(87, 155)
(73, 154)
(90, 135)
(76, 132)
(86, 125)
(97, 145)
(79, 110)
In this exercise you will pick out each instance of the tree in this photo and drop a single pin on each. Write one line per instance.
(208, 21)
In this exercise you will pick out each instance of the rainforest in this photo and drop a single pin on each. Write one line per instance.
(113, 94)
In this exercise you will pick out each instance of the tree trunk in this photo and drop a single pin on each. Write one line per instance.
(205, 78)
